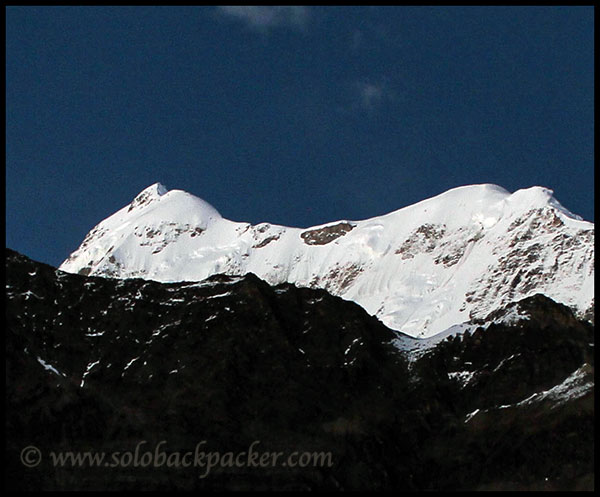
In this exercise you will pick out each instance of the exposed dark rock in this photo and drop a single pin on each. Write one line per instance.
(589, 313)
(266, 241)
(338, 278)
(423, 239)
(323, 236)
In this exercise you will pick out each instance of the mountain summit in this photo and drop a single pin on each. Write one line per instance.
(421, 269)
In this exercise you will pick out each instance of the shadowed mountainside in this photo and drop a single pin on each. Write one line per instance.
(101, 364)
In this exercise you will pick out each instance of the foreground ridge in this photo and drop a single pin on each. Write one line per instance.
(102, 364)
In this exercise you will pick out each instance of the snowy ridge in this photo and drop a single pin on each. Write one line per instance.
(421, 269)
(576, 385)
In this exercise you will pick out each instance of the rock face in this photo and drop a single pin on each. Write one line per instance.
(420, 270)
(98, 364)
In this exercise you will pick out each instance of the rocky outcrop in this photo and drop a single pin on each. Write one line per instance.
(327, 234)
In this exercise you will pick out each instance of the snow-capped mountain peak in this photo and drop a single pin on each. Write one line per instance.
(173, 205)
(147, 196)
(420, 269)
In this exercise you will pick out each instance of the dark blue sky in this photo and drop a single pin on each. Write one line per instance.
(295, 116)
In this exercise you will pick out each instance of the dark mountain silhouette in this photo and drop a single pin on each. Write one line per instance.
(98, 364)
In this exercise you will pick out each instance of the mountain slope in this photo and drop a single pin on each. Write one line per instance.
(98, 364)
(421, 269)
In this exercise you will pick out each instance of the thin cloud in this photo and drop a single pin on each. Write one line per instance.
(358, 39)
(264, 17)
(372, 94)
